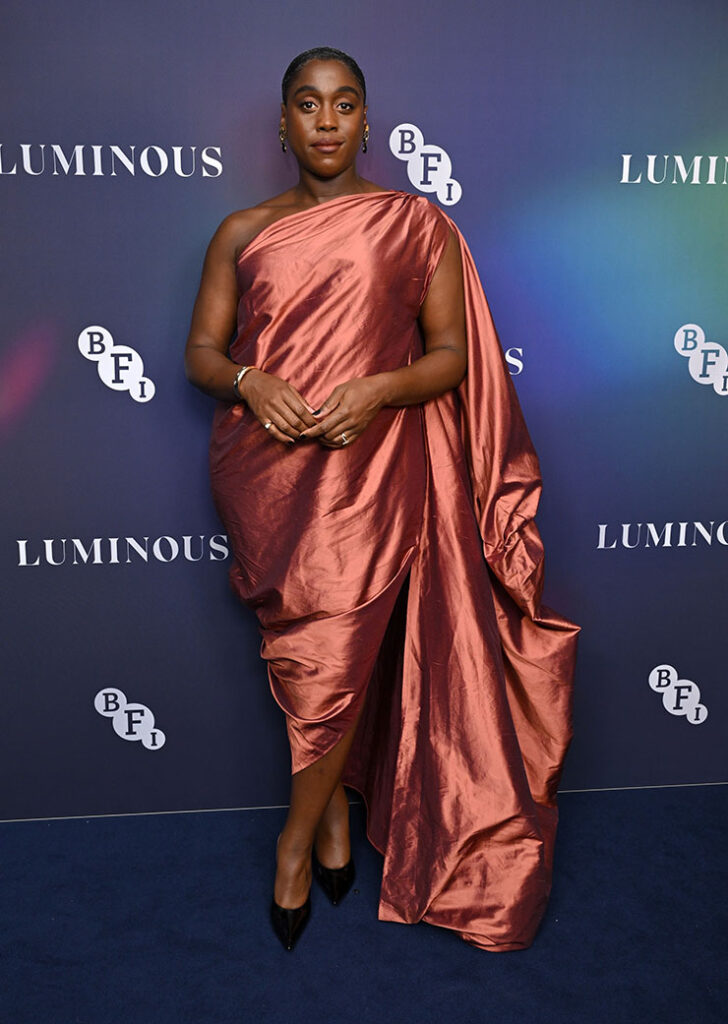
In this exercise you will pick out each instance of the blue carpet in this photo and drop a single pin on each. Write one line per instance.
(163, 920)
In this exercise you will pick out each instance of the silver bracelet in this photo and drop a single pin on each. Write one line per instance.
(238, 377)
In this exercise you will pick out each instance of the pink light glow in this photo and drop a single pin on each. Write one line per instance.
(25, 366)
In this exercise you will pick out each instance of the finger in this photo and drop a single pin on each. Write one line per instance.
(338, 426)
(278, 435)
(329, 404)
(315, 431)
(302, 418)
(286, 420)
(335, 436)
(320, 427)
(339, 443)
(303, 408)
(324, 414)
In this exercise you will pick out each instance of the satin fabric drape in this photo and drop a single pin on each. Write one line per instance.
(402, 576)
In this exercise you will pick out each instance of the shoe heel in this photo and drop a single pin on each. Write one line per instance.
(335, 882)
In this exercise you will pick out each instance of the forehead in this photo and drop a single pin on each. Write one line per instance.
(324, 75)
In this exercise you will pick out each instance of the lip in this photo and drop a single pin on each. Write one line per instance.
(326, 147)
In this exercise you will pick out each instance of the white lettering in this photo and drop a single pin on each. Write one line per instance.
(663, 537)
(84, 554)
(80, 160)
(23, 554)
(684, 171)
(98, 167)
(700, 169)
(27, 163)
(712, 162)
(106, 550)
(134, 545)
(218, 543)
(59, 157)
(128, 161)
(515, 361)
(161, 157)
(213, 162)
(603, 538)
(707, 535)
(625, 179)
(171, 543)
(625, 535)
(187, 548)
(14, 169)
(651, 158)
(48, 548)
(177, 158)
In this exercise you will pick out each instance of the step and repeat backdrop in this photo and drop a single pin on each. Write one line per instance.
(581, 147)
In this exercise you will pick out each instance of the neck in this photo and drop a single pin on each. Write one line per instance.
(317, 190)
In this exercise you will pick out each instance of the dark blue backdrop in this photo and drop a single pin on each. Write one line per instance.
(589, 275)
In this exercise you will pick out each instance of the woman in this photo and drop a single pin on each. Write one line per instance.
(372, 469)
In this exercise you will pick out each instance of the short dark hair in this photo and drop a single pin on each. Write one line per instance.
(322, 53)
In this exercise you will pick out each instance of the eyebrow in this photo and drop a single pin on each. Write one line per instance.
(312, 88)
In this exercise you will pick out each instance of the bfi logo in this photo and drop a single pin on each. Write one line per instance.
(130, 721)
(120, 367)
(679, 696)
(707, 361)
(429, 168)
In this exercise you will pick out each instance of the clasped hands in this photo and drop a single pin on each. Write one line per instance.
(342, 418)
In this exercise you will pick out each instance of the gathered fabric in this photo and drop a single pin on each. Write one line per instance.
(401, 576)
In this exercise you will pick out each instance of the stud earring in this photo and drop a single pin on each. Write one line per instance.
(365, 140)
(282, 137)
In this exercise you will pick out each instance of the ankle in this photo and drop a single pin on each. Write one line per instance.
(335, 816)
(294, 847)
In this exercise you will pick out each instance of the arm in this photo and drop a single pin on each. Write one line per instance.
(213, 317)
(213, 320)
(354, 404)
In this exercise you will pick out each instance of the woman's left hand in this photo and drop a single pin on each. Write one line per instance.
(348, 411)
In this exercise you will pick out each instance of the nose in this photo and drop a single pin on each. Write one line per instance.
(326, 119)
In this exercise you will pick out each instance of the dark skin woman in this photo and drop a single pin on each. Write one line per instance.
(323, 121)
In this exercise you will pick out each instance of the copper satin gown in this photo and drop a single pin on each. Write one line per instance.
(405, 571)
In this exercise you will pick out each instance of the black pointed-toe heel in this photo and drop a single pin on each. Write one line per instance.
(289, 922)
(335, 882)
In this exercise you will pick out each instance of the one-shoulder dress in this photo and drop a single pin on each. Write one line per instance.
(402, 575)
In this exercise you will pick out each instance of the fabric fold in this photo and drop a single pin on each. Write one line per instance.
(403, 575)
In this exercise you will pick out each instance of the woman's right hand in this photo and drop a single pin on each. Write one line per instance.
(277, 402)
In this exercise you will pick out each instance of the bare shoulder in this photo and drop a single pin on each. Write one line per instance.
(239, 229)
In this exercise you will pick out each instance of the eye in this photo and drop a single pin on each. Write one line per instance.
(307, 105)
(346, 105)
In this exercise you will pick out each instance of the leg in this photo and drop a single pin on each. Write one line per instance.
(312, 790)
(332, 835)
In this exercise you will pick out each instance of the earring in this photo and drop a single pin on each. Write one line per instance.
(282, 137)
(365, 140)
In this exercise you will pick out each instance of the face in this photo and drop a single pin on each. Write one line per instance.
(324, 117)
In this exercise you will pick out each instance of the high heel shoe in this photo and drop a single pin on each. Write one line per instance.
(288, 923)
(335, 882)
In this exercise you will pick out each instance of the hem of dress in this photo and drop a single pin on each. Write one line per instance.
(311, 759)
(387, 913)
